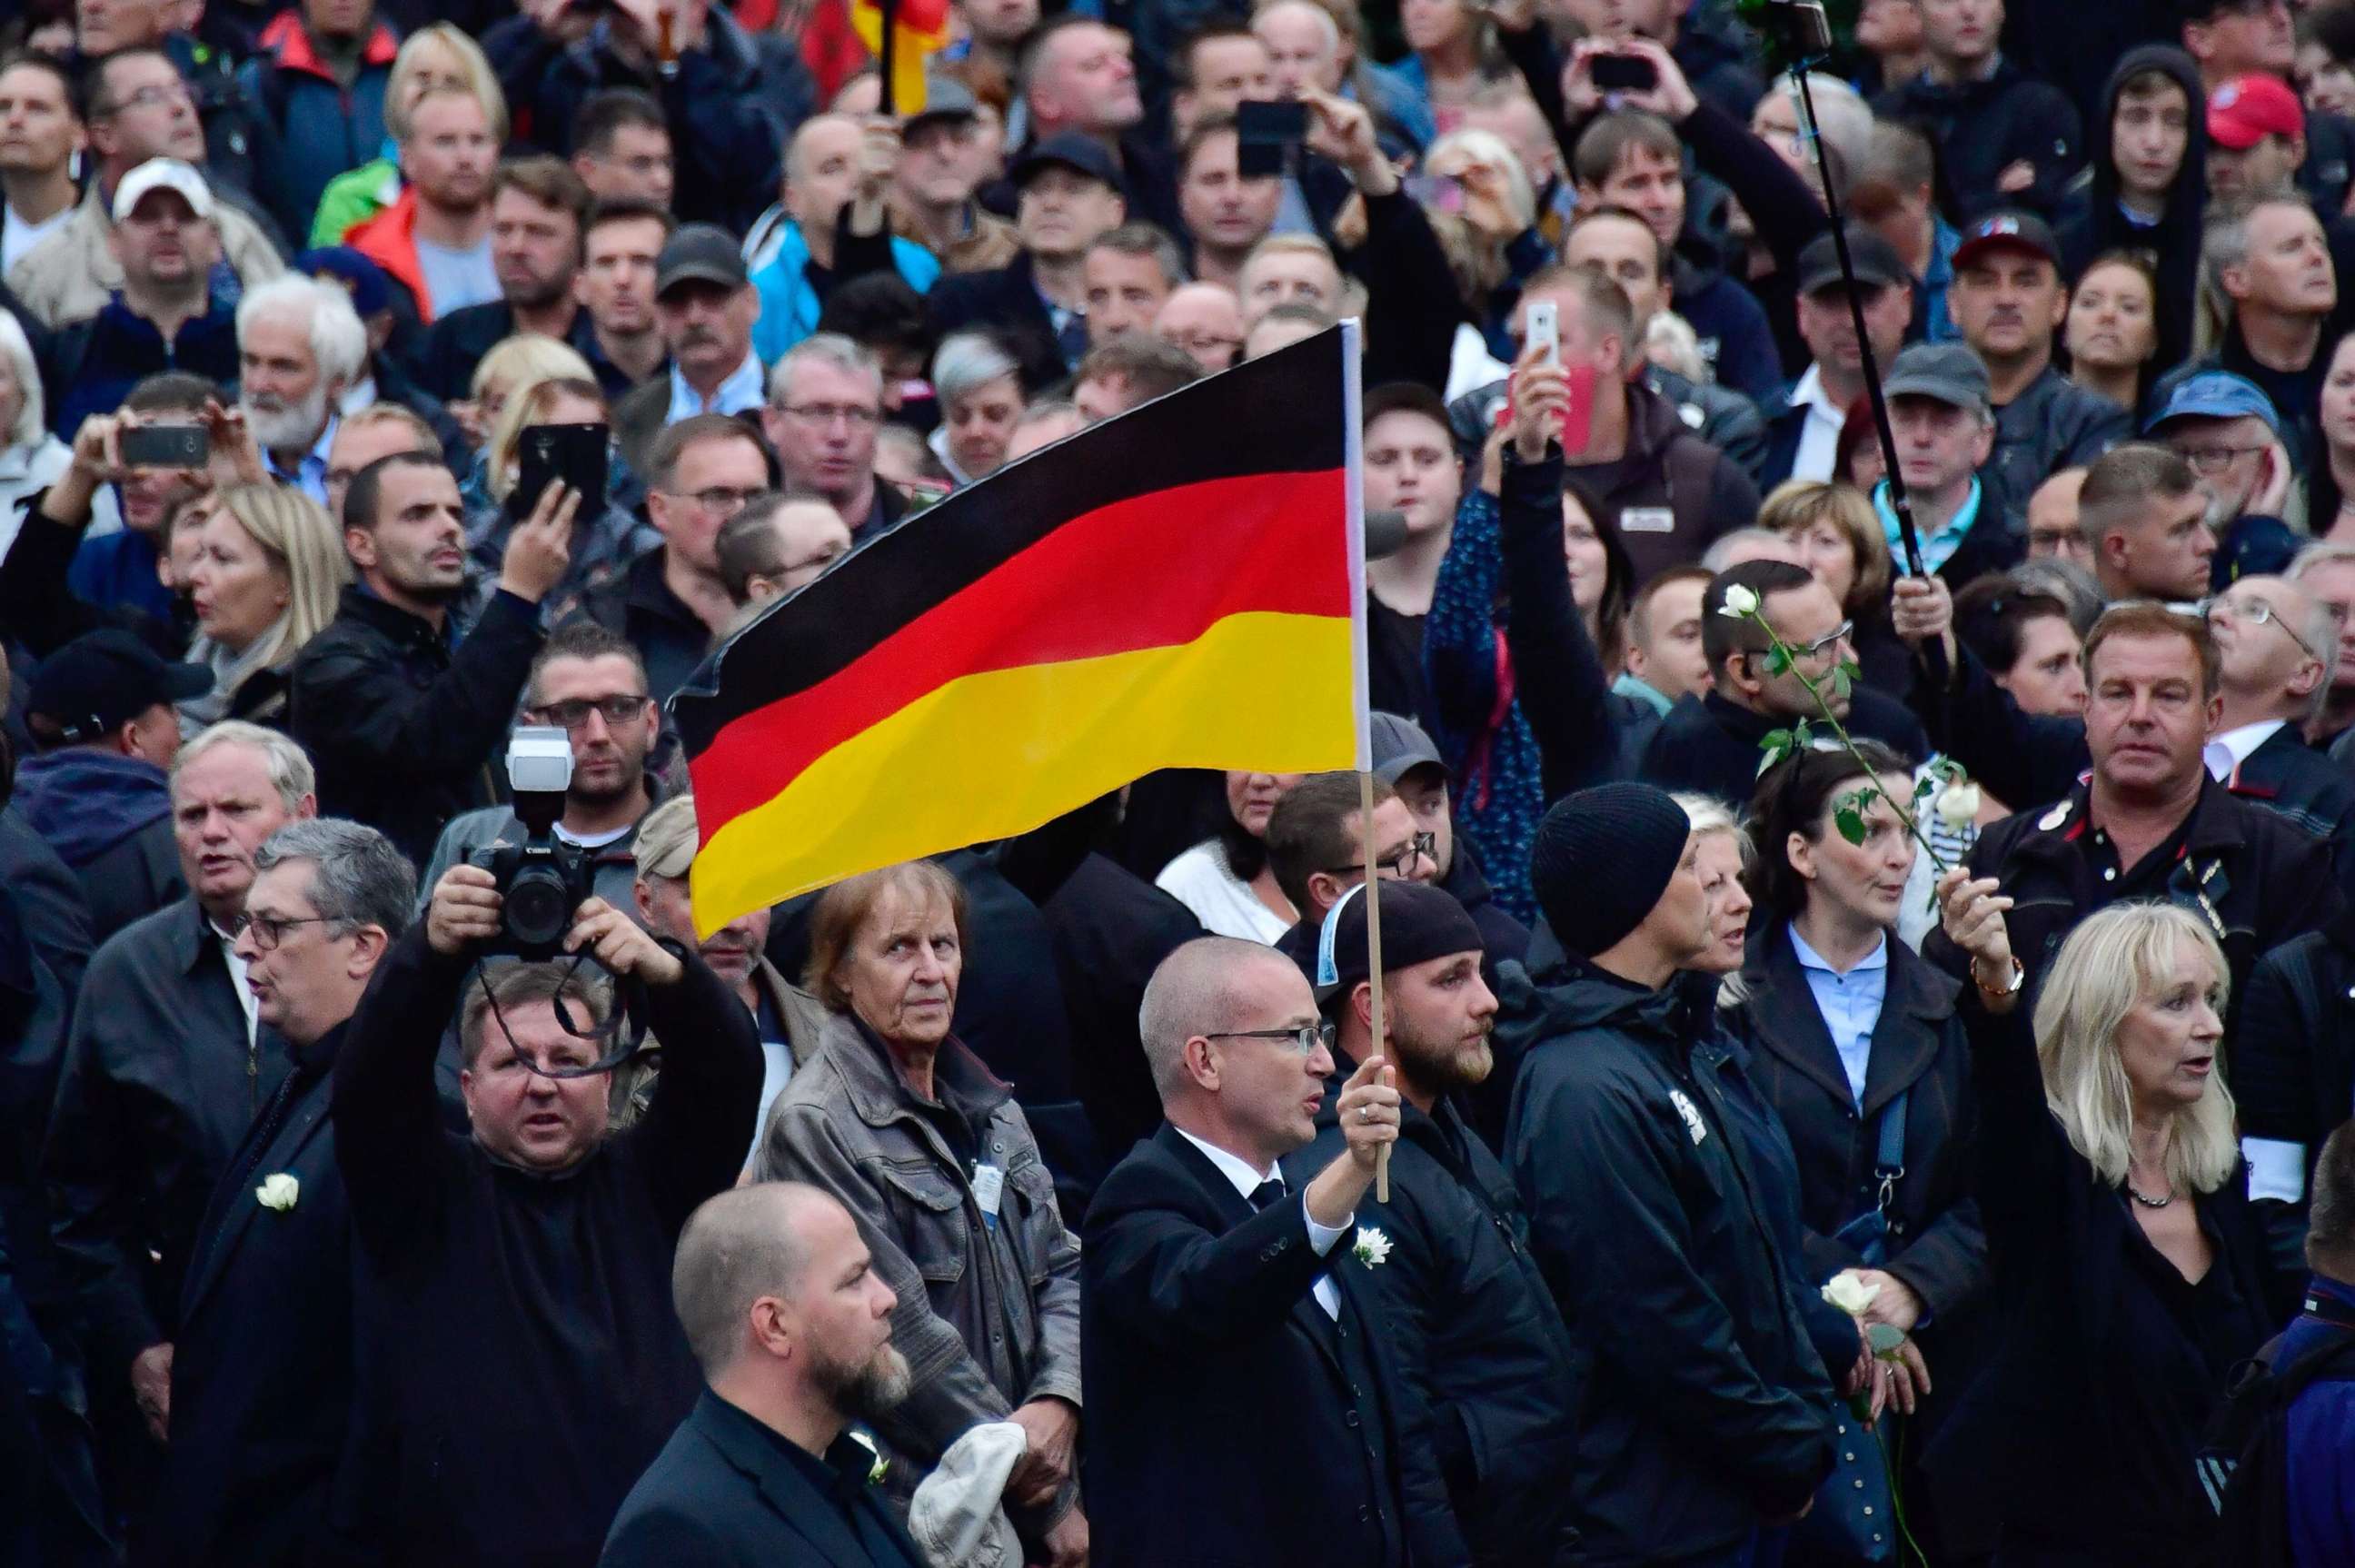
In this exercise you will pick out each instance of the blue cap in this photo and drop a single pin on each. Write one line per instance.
(2215, 395)
(342, 264)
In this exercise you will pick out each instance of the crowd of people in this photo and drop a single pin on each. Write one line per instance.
(1854, 1065)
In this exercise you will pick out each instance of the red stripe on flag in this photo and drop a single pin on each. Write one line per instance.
(1154, 572)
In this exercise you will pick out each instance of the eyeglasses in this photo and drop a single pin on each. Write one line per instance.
(2213, 460)
(2259, 612)
(151, 96)
(719, 499)
(1424, 845)
(267, 929)
(822, 415)
(1826, 644)
(1304, 1039)
(573, 712)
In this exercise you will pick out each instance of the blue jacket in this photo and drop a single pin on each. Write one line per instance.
(790, 303)
(2321, 1435)
(100, 360)
(84, 801)
(307, 127)
(120, 569)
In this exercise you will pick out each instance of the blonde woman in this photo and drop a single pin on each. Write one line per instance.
(433, 57)
(267, 568)
(605, 543)
(2111, 1189)
(513, 363)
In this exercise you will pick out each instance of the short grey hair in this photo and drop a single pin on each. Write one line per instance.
(741, 1246)
(358, 878)
(967, 362)
(32, 419)
(290, 770)
(1193, 993)
(1845, 118)
(823, 349)
(2321, 552)
(338, 341)
(1324, 22)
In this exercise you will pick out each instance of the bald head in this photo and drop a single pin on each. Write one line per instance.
(1199, 989)
(746, 1243)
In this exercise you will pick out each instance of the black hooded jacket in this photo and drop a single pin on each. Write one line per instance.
(1706, 1413)
(1983, 127)
(2091, 222)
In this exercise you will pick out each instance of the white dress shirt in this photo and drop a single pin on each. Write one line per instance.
(2227, 751)
(1247, 1181)
(1819, 436)
(245, 998)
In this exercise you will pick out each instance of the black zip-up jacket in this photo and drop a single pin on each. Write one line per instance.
(1475, 1330)
(1983, 127)
(1702, 1418)
(403, 728)
(2293, 1072)
(2253, 878)
(1711, 743)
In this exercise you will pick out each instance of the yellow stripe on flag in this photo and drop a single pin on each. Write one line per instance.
(990, 755)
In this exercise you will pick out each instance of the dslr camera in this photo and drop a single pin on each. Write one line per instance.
(543, 880)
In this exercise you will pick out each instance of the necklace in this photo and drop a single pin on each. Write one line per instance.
(2135, 1193)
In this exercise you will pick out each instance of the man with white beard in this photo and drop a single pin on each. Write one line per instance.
(300, 345)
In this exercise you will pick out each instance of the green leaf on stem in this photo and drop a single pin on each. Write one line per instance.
(1850, 822)
(1924, 787)
(1885, 1337)
(1841, 681)
(1778, 659)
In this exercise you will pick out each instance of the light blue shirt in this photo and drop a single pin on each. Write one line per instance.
(309, 474)
(741, 392)
(1849, 1003)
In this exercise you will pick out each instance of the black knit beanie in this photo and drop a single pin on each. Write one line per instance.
(1601, 860)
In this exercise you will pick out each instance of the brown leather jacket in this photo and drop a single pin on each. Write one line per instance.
(989, 1311)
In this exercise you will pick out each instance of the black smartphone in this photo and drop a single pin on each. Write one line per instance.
(1625, 73)
(573, 452)
(1263, 128)
(163, 445)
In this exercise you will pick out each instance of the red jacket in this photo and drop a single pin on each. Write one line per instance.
(389, 239)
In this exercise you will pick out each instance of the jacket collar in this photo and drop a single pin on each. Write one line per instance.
(2215, 822)
(646, 589)
(1916, 1000)
(296, 50)
(875, 1089)
(756, 1453)
(382, 615)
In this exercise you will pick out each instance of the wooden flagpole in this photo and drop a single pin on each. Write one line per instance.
(1374, 956)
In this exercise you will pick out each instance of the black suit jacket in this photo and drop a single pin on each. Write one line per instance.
(261, 1371)
(1211, 1377)
(722, 1493)
(1005, 302)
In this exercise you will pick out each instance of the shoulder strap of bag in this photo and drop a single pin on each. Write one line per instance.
(1889, 1157)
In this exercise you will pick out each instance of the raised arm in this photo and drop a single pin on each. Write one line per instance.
(387, 1113)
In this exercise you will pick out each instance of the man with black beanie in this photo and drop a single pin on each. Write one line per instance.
(1703, 1422)
(1475, 1330)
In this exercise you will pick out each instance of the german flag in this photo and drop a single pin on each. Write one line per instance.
(1178, 587)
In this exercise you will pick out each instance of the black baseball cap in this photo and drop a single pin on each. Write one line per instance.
(1876, 260)
(1070, 150)
(2009, 231)
(700, 253)
(99, 682)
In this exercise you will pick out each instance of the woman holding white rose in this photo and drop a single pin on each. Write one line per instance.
(2126, 1261)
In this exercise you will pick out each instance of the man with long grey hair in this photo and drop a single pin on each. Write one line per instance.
(262, 1376)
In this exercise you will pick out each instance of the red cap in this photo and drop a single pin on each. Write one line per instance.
(2248, 109)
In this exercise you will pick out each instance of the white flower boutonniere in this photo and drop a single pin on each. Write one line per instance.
(1373, 1248)
(278, 1192)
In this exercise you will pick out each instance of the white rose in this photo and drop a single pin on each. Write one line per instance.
(1958, 806)
(1740, 602)
(278, 1192)
(1848, 1291)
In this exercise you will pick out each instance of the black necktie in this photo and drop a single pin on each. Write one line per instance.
(1266, 1195)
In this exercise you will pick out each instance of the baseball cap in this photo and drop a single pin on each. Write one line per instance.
(2248, 109)
(1070, 150)
(945, 98)
(2215, 395)
(342, 264)
(1400, 746)
(700, 253)
(1876, 262)
(163, 174)
(2009, 229)
(1948, 372)
(102, 680)
(1420, 922)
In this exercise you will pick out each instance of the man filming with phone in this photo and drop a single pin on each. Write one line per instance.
(514, 1297)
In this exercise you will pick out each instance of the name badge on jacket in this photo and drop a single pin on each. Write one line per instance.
(1648, 520)
(988, 1188)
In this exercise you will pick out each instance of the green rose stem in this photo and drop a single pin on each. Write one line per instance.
(1848, 815)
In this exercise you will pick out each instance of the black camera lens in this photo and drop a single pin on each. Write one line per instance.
(539, 907)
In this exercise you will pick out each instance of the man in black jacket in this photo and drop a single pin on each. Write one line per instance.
(1070, 194)
(793, 1328)
(159, 1085)
(2151, 822)
(537, 1246)
(1217, 1295)
(2002, 135)
(1476, 1330)
(1711, 743)
(401, 725)
(1704, 1421)
(261, 1372)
